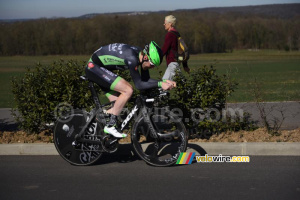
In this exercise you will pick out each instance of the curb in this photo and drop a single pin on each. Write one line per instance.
(28, 149)
(212, 148)
(252, 148)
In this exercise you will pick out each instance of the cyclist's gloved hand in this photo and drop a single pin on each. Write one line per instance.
(168, 86)
(171, 82)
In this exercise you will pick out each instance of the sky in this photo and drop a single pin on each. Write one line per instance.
(32, 9)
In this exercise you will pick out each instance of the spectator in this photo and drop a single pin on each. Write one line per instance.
(170, 49)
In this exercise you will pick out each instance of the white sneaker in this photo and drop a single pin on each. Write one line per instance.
(113, 131)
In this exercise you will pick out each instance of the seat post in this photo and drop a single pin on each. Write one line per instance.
(94, 95)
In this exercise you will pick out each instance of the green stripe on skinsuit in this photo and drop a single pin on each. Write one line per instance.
(110, 93)
(113, 85)
(159, 84)
(111, 60)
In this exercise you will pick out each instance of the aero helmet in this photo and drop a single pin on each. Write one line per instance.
(154, 53)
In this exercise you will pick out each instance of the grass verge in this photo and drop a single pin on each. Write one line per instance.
(277, 72)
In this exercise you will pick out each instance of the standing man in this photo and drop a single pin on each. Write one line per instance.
(170, 49)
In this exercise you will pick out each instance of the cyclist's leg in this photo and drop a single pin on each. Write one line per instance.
(100, 76)
(108, 81)
(125, 89)
(112, 95)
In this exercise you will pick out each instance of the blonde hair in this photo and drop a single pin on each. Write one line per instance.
(171, 19)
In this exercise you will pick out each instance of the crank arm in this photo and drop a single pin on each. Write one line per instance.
(102, 151)
(88, 141)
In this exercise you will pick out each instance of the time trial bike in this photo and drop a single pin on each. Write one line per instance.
(158, 136)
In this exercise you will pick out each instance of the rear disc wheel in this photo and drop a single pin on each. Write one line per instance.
(65, 130)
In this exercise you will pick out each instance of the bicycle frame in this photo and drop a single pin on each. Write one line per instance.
(129, 116)
(140, 104)
(160, 129)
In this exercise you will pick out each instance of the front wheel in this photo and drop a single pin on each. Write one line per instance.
(164, 151)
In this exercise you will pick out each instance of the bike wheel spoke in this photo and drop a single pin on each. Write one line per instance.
(154, 154)
(161, 151)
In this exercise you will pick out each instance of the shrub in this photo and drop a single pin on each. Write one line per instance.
(204, 89)
(202, 98)
(43, 88)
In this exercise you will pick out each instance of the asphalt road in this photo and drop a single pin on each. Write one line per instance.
(50, 177)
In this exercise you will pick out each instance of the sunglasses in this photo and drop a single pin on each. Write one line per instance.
(146, 51)
(151, 62)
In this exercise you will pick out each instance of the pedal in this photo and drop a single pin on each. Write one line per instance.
(110, 144)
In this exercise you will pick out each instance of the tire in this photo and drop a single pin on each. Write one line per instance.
(65, 129)
(169, 148)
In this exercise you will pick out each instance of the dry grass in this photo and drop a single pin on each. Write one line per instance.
(259, 135)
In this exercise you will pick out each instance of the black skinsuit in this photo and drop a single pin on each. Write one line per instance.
(118, 57)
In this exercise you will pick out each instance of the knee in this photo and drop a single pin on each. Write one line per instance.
(128, 91)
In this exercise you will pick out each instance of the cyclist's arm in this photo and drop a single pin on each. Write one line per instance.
(143, 82)
(145, 76)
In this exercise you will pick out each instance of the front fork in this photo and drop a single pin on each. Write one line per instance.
(142, 105)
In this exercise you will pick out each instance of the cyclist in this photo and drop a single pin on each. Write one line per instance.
(119, 56)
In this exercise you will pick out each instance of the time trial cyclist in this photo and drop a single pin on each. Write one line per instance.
(119, 56)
